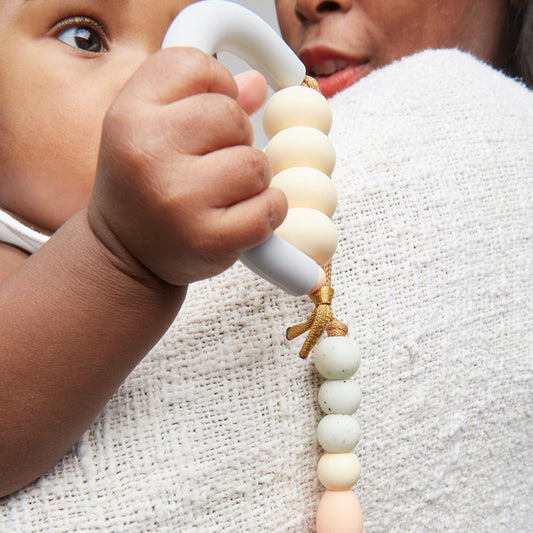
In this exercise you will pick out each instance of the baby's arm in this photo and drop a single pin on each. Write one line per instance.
(179, 194)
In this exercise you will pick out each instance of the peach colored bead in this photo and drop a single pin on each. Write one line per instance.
(296, 106)
(301, 146)
(307, 187)
(339, 512)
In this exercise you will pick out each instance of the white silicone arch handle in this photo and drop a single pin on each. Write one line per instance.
(220, 26)
(216, 26)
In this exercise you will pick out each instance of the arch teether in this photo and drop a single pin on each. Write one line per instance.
(220, 26)
(215, 26)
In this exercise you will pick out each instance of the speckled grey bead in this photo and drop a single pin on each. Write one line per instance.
(339, 397)
(338, 433)
(337, 357)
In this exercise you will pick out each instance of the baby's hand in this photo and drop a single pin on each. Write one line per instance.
(179, 186)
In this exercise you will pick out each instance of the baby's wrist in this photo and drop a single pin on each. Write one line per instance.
(120, 259)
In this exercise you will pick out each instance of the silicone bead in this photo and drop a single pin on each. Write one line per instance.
(301, 146)
(339, 511)
(339, 397)
(338, 433)
(338, 471)
(296, 106)
(337, 357)
(310, 231)
(307, 187)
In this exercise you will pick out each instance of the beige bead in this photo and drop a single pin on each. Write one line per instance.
(338, 471)
(296, 106)
(311, 231)
(301, 146)
(307, 187)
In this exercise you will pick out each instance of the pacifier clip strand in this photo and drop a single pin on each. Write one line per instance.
(336, 357)
(297, 120)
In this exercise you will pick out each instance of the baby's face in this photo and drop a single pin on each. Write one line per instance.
(62, 64)
(341, 41)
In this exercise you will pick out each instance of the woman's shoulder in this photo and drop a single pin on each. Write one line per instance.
(443, 101)
(437, 80)
(443, 68)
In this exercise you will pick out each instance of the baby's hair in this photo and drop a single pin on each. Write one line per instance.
(521, 28)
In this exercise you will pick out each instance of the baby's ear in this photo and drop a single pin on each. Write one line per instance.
(252, 90)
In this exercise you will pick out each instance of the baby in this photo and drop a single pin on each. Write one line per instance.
(167, 192)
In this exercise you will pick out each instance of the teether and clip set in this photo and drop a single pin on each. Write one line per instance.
(297, 120)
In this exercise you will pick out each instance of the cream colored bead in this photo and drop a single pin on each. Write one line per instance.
(307, 187)
(338, 471)
(311, 232)
(301, 146)
(296, 106)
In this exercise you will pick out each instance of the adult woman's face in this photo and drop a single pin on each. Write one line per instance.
(341, 41)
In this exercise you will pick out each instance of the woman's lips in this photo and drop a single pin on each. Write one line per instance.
(334, 72)
(341, 79)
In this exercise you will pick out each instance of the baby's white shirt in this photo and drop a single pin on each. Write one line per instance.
(14, 232)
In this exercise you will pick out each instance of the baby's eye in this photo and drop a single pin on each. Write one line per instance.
(82, 33)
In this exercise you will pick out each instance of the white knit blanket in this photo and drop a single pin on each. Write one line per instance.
(214, 432)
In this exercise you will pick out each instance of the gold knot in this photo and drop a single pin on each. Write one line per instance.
(324, 295)
(317, 323)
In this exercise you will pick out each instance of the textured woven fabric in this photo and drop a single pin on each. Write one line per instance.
(215, 430)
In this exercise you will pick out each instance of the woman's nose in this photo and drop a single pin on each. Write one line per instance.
(314, 10)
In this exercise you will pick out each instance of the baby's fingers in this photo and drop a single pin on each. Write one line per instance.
(176, 73)
(252, 90)
(227, 177)
(205, 123)
(249, 223)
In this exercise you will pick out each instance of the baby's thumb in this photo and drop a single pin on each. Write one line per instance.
(252, 90)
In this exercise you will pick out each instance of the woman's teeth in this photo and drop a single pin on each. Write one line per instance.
(328, 67)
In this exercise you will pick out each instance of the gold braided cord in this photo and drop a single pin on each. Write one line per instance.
(311, 83)
(317, 323)
(321, 319)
